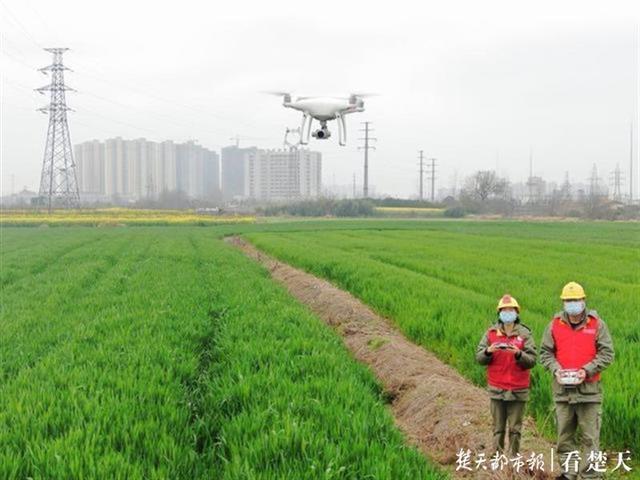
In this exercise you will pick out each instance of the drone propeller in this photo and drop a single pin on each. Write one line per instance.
(276, 93)
(364, 95)
(357, 98)
(286, 95)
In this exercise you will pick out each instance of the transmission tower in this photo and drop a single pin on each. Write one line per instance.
(566, 187)
(594, 182)
(58, 183)
(366, 148)
(616, 179)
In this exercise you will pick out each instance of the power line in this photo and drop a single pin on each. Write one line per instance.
(366, 148)
(143, 92)
(100, 76)
(14, 19)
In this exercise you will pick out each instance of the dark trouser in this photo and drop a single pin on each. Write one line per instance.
(511, 413)
(570, 417)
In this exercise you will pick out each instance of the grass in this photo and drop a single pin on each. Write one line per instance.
(440, 282)
(163, 353)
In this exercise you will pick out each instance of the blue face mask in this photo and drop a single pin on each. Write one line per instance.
(508, 317)
(574, 308)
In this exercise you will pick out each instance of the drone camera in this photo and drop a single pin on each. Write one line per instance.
(321, 134)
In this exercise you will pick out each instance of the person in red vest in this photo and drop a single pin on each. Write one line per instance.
(509, 351)
(576, 347)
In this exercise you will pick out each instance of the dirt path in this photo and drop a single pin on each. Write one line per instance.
(438, 410)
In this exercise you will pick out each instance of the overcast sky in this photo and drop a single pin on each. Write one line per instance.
(476, 84)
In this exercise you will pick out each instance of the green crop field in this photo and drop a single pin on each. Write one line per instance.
(161, 352)
(440, 282)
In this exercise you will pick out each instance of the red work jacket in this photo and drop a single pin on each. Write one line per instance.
(576, 347)
(503, 371)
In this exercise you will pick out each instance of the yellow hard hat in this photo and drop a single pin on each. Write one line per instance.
(508, 301)
(572, 291)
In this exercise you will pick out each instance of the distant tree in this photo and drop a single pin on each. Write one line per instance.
(322, 207)
(404, 202)
(485, 184)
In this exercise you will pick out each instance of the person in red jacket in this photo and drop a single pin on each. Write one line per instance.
(509, 351)
(576, 347)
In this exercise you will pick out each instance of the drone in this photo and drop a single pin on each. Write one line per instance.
(323, 109)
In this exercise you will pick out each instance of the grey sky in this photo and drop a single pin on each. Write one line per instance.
(475, 84)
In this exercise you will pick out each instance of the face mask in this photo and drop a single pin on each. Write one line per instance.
(574, 308)
(508, 317)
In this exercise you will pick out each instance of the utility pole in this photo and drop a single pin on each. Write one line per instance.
(631, 163)
(354, 185)
(421, 157)
(366, 148)
(455, 183)
(150, 186)
(58, 182)
(530, 181)
(432, 177)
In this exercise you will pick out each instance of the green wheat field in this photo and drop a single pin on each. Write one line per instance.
(163, 352)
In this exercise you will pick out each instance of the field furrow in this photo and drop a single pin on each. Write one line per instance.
(440, 287)
(163, 353)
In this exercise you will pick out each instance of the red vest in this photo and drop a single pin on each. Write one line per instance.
(576, 347)
(503, 371)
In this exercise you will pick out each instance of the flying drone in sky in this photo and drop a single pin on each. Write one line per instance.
(323, 109)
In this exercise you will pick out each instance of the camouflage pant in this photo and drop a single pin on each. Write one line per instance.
(569, 418)
(511, 413)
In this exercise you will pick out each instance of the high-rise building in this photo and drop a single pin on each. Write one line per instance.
(233, 171)
(282, 174)
(196, 167)
(90, 160)
(137, 169)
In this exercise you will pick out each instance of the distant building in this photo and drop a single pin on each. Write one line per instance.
(233, 171)
(197, 170)
(265, 175)
(137, 169)
(282, 174)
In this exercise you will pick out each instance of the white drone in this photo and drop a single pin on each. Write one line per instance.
(323, 109)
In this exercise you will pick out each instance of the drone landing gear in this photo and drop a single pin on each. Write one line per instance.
(342, 130)
(304, 135)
